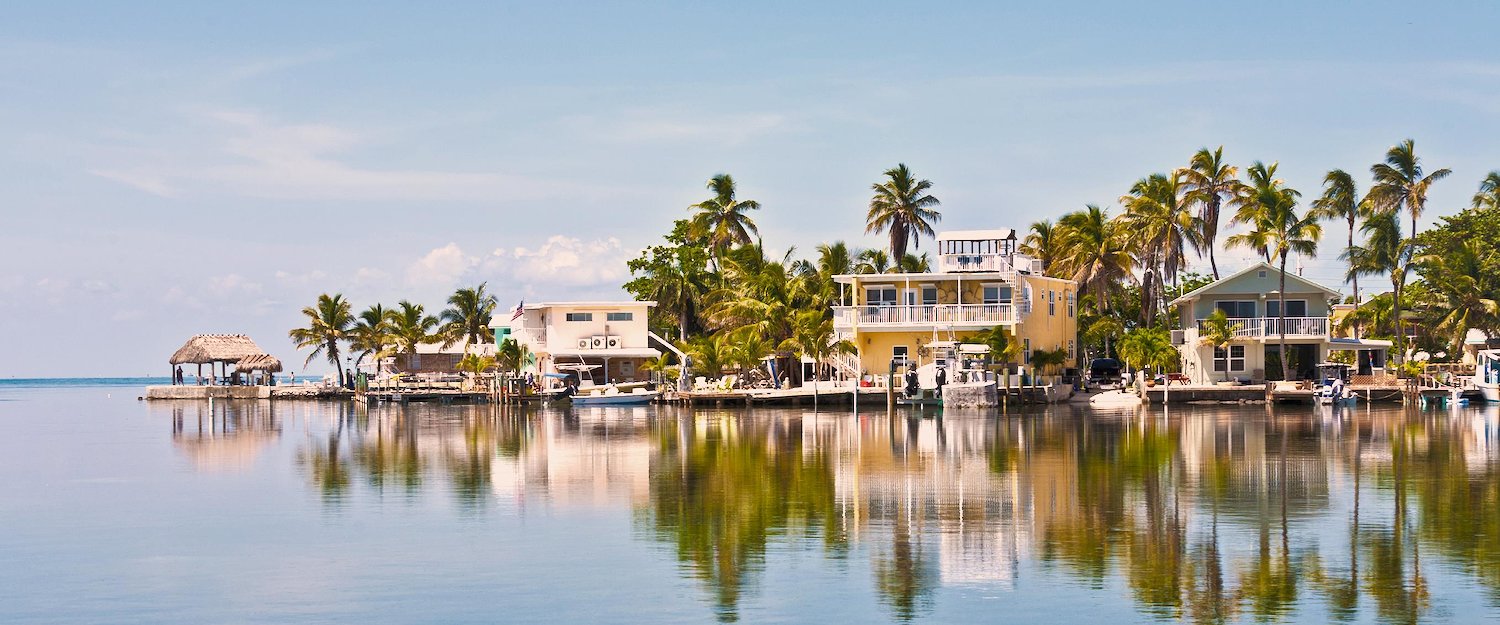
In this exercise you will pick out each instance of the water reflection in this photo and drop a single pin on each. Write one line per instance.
(224, 436)
(1208, 515)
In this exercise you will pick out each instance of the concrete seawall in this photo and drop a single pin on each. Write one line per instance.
(184, 392)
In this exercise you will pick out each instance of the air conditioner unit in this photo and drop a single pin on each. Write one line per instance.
(583, 343)
(597, 342)
(613, 342)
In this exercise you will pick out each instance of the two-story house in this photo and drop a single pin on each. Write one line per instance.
(612, 335)
(980, 281)
(1251, 300)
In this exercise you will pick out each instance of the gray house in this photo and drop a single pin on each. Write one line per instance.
(1251, 301)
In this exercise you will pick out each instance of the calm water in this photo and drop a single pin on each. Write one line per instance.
(118, 511)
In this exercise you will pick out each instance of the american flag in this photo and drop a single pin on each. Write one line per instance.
(520, 308)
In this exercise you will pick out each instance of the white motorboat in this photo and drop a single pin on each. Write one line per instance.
(1333, 385)
(1487, 374)
(611, 396)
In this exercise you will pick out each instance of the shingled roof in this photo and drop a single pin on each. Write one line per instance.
(206, 348)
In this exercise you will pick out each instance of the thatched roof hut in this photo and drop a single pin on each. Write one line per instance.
(259, 362)
(210, 348)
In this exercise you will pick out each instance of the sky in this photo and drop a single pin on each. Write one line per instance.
(173, 168)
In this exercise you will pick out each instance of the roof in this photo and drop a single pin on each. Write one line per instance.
(206, 348)
(598, 303)
(976, 235)
(1256, 267)
(1344, 341)
(259, 362)
(624, 352)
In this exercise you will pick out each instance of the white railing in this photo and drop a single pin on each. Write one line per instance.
(936, 314)
(1258, 327)
(948, 263)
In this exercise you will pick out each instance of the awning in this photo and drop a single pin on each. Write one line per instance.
(1346, 343)
(624, 352)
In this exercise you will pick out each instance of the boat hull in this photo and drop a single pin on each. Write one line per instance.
(1490, 392)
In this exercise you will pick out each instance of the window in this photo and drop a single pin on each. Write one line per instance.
(899, 352)
(929, 295)
(1236, 309)
(1071, 302)
(1260, 274)
(1072, 355)
(1026, 351)
(580, 316)
(1294, 307)
(880, 296)
(1051, 302)
(909, 297)
(620, 316)
(996, 294)
(1231, 360)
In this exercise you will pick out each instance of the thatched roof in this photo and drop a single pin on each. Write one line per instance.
(206, 348)
(259, 362)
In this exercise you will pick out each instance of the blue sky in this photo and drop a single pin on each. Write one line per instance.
(202, 167)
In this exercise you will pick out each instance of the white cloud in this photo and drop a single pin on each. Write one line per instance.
(442, 266)
(567, 261)
(141, 180)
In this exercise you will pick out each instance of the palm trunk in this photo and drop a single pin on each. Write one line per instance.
(333, 357)
(1396, 280)
(1281, 315)
(1355, 276)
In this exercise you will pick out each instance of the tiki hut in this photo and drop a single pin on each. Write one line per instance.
(223, 349)
(263, 364)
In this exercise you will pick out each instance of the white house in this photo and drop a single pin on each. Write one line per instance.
(613, 335)
(1251, 300)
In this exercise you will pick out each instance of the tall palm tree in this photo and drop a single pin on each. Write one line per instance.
(1163, 227)
(1210, 181)
(1042, 243)
(1385, 252)
(1399, 183)
(371, 335)
(1489, 191)
(903, 208)
(468, 316)
(1094, 253)
(1341, 200)
(328, 323)
(1288, 232)
(1250, 209)
(911, 263)
(722, 220)
(412, 326)
(834, 259)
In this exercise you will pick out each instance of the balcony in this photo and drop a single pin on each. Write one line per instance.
(973, 263)
(941, 315)
(1270, 327)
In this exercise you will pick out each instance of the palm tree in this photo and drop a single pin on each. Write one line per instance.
(512, 355)
(911, 263)
(1043, 243)
(1163, 228)
(468, 316)
(1287, 232)
(1399, 182)
(1250, 209)
(371, 335)
(1210, 181)
(1095, 254)
(412, 326)
(1457, 277)
(1385, 252)
(813, 337)
(747, 351)
(903, 208)
(1148, 347)
(1489, 191)
(873, 261)
(1341, 200)
(328, 322)
(722, 220)
(709, 354)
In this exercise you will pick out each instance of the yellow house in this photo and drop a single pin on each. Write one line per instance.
(980, 281)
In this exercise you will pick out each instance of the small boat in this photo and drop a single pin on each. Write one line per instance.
(613, 397)
(1115, 398)
(1487, 374)
(1333, 385)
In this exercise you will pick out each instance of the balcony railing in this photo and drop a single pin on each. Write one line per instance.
(934, 314)
(949, 263)
(1267, 327)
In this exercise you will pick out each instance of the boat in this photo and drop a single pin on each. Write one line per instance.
(1333, 385)
(612, 396)
(1487, 374)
